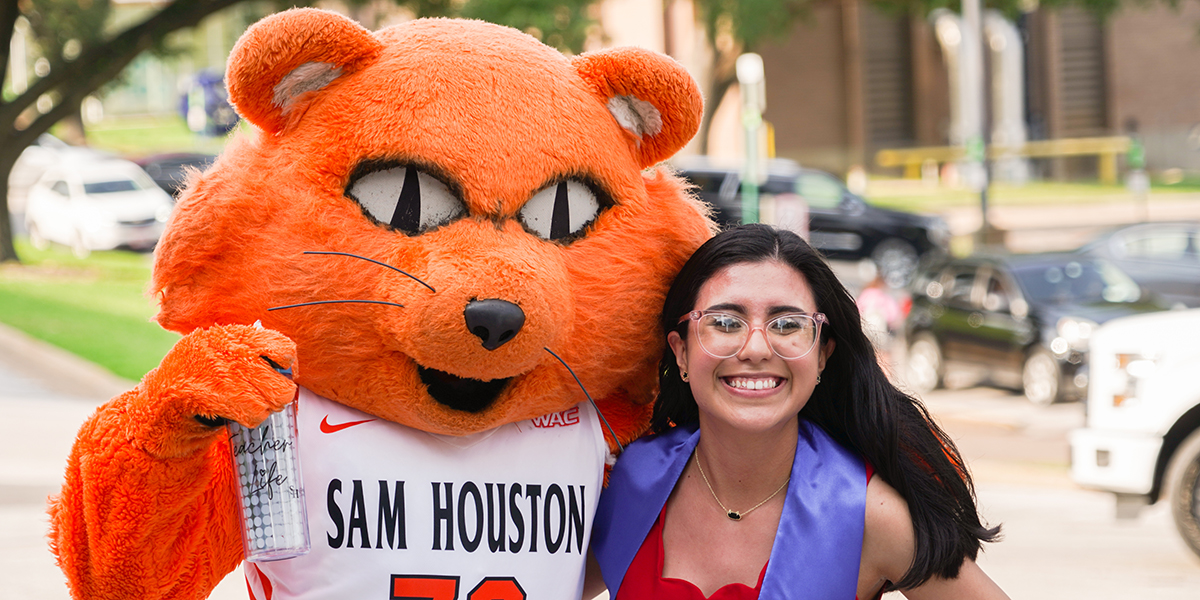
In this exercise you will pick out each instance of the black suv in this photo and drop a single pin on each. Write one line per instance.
(1019, 320)
(842, 225)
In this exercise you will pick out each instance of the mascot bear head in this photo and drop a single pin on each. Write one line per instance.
(437, 213)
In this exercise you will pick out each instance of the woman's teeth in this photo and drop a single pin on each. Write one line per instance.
(746, 383)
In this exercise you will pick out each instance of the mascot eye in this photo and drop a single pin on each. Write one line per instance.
(561, 210)
(406, 199)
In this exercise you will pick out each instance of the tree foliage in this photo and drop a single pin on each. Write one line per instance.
(733, 27)
(63, 27)
(58, 91)
(564, 24)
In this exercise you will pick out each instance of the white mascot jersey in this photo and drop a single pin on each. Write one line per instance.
(395, 512)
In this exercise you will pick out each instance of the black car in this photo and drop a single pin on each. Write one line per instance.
(1162, 257)
(1022, 321)
(842, 225)
(170, 170)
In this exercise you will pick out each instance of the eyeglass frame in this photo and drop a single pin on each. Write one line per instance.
(818, 318)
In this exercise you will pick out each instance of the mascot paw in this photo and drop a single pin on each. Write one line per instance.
(212, 376)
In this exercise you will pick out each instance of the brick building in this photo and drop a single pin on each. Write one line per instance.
(851, 80)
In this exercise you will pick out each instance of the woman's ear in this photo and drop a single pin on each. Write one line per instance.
(679, 347)
(823, 355)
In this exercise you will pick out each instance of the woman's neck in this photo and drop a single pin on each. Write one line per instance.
(743, 468)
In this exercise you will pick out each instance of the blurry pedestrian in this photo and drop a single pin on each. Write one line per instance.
(882, 314)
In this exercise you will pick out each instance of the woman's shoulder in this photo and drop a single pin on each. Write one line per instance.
(888, 539)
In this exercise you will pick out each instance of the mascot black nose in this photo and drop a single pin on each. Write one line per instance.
(494, 321)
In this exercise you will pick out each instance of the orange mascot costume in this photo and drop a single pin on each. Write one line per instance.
(432, 223)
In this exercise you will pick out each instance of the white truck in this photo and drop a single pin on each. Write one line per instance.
(1142, 435)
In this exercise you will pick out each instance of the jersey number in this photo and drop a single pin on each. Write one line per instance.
(445, 587)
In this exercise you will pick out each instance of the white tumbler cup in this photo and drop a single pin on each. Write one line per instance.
(265, 458)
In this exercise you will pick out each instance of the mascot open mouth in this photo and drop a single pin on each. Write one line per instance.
(460, 393)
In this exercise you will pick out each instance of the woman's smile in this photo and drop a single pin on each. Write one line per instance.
(753, 382)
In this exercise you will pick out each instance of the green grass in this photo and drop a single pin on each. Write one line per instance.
(142, 136)
(94, 308)
(913, 195)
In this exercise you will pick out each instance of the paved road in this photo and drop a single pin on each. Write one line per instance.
(1061, 541)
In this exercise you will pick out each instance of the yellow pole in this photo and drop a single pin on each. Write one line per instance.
(1107, 168)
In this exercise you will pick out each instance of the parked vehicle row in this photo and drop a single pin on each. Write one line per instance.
(170, 170)
(96, 205)
(91, 200)
(841, 224)
(1162, 257)
(1022, 321)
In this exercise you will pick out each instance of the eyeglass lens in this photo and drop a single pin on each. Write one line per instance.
(724, 335)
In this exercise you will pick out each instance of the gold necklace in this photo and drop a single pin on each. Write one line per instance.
(733, 514)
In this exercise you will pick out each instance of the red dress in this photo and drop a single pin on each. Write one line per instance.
(644, 577)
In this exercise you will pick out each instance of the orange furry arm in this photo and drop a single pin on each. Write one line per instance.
(148, 506)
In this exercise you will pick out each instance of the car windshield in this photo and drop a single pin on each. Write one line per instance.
(111, 187)
(1076, 281)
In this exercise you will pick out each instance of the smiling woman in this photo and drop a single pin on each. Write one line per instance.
(769, 384)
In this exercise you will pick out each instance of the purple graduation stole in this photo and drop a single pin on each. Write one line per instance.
(818, 545)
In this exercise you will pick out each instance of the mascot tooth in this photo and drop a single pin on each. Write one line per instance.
(432, 223)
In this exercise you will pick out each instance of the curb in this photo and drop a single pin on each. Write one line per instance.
(58, 370)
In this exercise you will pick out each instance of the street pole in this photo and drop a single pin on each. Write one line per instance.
(751, 82)
(973, 113)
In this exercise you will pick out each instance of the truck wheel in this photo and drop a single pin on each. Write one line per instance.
(79, 247)
(1039, 378)
(1183, 479)
(924, 364)
(897, 261)
(36, 239)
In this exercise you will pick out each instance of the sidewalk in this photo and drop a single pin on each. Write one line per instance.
(45, 394)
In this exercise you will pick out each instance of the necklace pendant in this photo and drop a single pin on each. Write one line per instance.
(734, 515)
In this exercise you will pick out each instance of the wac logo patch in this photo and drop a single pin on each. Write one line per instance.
(565, 418)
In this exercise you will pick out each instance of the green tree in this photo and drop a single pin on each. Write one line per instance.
(61, 29)
(83, 54)
(72, 76)
(734, 27)
(564, 24)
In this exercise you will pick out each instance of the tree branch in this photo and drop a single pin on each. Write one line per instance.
(99, 64)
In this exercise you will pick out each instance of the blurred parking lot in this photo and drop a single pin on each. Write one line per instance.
(1060, 541)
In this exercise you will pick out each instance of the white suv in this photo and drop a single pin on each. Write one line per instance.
(1142, 439)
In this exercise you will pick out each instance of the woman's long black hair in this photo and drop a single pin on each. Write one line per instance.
(855, 403)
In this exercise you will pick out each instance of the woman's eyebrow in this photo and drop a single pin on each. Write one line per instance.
(728, 306)
(778, 310)
(774, 310)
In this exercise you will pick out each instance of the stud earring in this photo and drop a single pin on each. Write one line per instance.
(818, 378)
(683, 375)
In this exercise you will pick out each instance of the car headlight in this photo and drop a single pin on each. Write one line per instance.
(1073, 334)
(162, 214)
(1132, 372)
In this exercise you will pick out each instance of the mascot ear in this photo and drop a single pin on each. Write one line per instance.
(649, 94)
(282, 60)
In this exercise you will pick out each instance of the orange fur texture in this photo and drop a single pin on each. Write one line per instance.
(495, 116)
